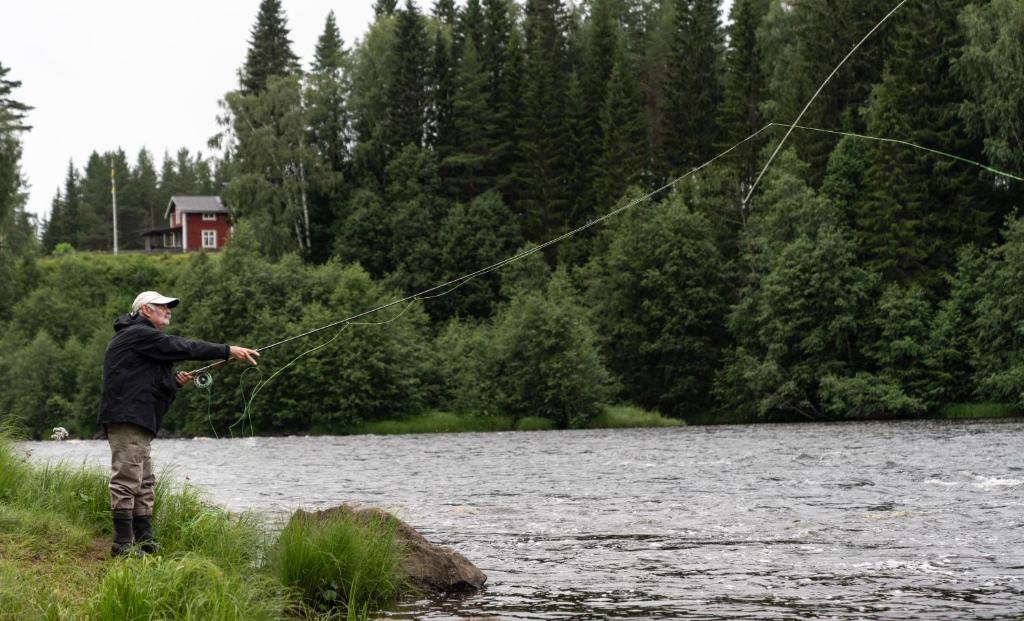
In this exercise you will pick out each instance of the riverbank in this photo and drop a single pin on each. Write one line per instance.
(213, 565)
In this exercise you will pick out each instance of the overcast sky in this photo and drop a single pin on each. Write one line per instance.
(128, 74)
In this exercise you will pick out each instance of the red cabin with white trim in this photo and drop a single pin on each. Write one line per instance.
(196, 223)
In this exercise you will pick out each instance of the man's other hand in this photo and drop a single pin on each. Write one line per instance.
(183, 378)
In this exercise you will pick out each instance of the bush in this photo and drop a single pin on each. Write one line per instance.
(624, 416)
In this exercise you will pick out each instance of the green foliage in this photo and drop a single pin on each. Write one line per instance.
(902, 349)
(802, 308)
(544, 359)
(335, 560)
(866, 395)
(658, 299)
(991, 70)
(999, 321)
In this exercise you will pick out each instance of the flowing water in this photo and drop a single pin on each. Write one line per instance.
(921, 520)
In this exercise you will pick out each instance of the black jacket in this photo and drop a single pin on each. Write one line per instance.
(138, 378)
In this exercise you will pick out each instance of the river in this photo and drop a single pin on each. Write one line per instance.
(921, 520)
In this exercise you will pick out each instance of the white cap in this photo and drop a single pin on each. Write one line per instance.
(152, 297)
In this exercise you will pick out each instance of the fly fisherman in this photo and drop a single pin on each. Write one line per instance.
(139, 385)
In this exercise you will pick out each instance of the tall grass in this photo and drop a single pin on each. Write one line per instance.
(437, 422)
(185, 521)
(338, 561)
(79, 493)
(625, 416)
(979, 410)
(185, 588)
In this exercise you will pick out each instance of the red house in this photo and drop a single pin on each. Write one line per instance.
(196, 223)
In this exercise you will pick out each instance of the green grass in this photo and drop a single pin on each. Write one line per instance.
(625, 416)
(978, 410)
(55, 543)
(338, 561)
(437, 422)
(189, 587)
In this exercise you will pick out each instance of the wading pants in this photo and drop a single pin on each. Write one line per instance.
(131, 469)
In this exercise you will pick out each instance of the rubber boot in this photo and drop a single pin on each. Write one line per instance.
(143, 526)
(124, 536)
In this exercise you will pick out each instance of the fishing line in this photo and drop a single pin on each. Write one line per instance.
(449, 286)
(908, 144)
(746, 200)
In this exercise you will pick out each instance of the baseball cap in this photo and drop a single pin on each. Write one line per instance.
(152, 297)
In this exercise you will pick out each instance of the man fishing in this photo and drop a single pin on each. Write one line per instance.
(139, 385)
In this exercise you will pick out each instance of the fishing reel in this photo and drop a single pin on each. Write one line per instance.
(203, 380)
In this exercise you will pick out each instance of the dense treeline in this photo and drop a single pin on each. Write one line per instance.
(863, 278)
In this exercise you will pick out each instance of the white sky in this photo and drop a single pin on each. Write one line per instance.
(118, 73)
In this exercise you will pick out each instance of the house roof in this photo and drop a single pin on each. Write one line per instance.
(195, 204)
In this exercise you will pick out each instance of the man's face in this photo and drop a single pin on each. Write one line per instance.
(157, 314)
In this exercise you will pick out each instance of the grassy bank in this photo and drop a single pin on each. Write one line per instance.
(611, 417)
(970, 411)
(55, 542)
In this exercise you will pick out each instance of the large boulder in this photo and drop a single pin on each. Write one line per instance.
(427, 566)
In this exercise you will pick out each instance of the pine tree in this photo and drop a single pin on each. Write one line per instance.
(544, 161)
(693, 89)
(12, 111)
(921, 208)
(270, 50)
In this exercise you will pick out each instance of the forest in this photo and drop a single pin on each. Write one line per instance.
(873, 271)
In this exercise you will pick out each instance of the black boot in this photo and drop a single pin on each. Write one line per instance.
(123, 534)
(143, 526)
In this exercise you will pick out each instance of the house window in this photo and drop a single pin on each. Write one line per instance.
(209, 215)
(209, 239)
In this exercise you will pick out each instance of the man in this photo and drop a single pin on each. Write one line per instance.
(139, 385)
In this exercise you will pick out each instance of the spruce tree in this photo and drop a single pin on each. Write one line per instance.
(543, 135)
(270, 50)
(921, 208)
(465, 169)
(384, 8)
(327, 98)
(693, 86)
(623, 136)
(739, 114)
(406, 88)
(501, 57)
(440, 129)
(445, 12)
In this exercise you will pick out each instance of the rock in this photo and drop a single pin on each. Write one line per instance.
(427, 566)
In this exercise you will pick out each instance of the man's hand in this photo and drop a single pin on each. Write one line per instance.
(183, 378)
(244, 353)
